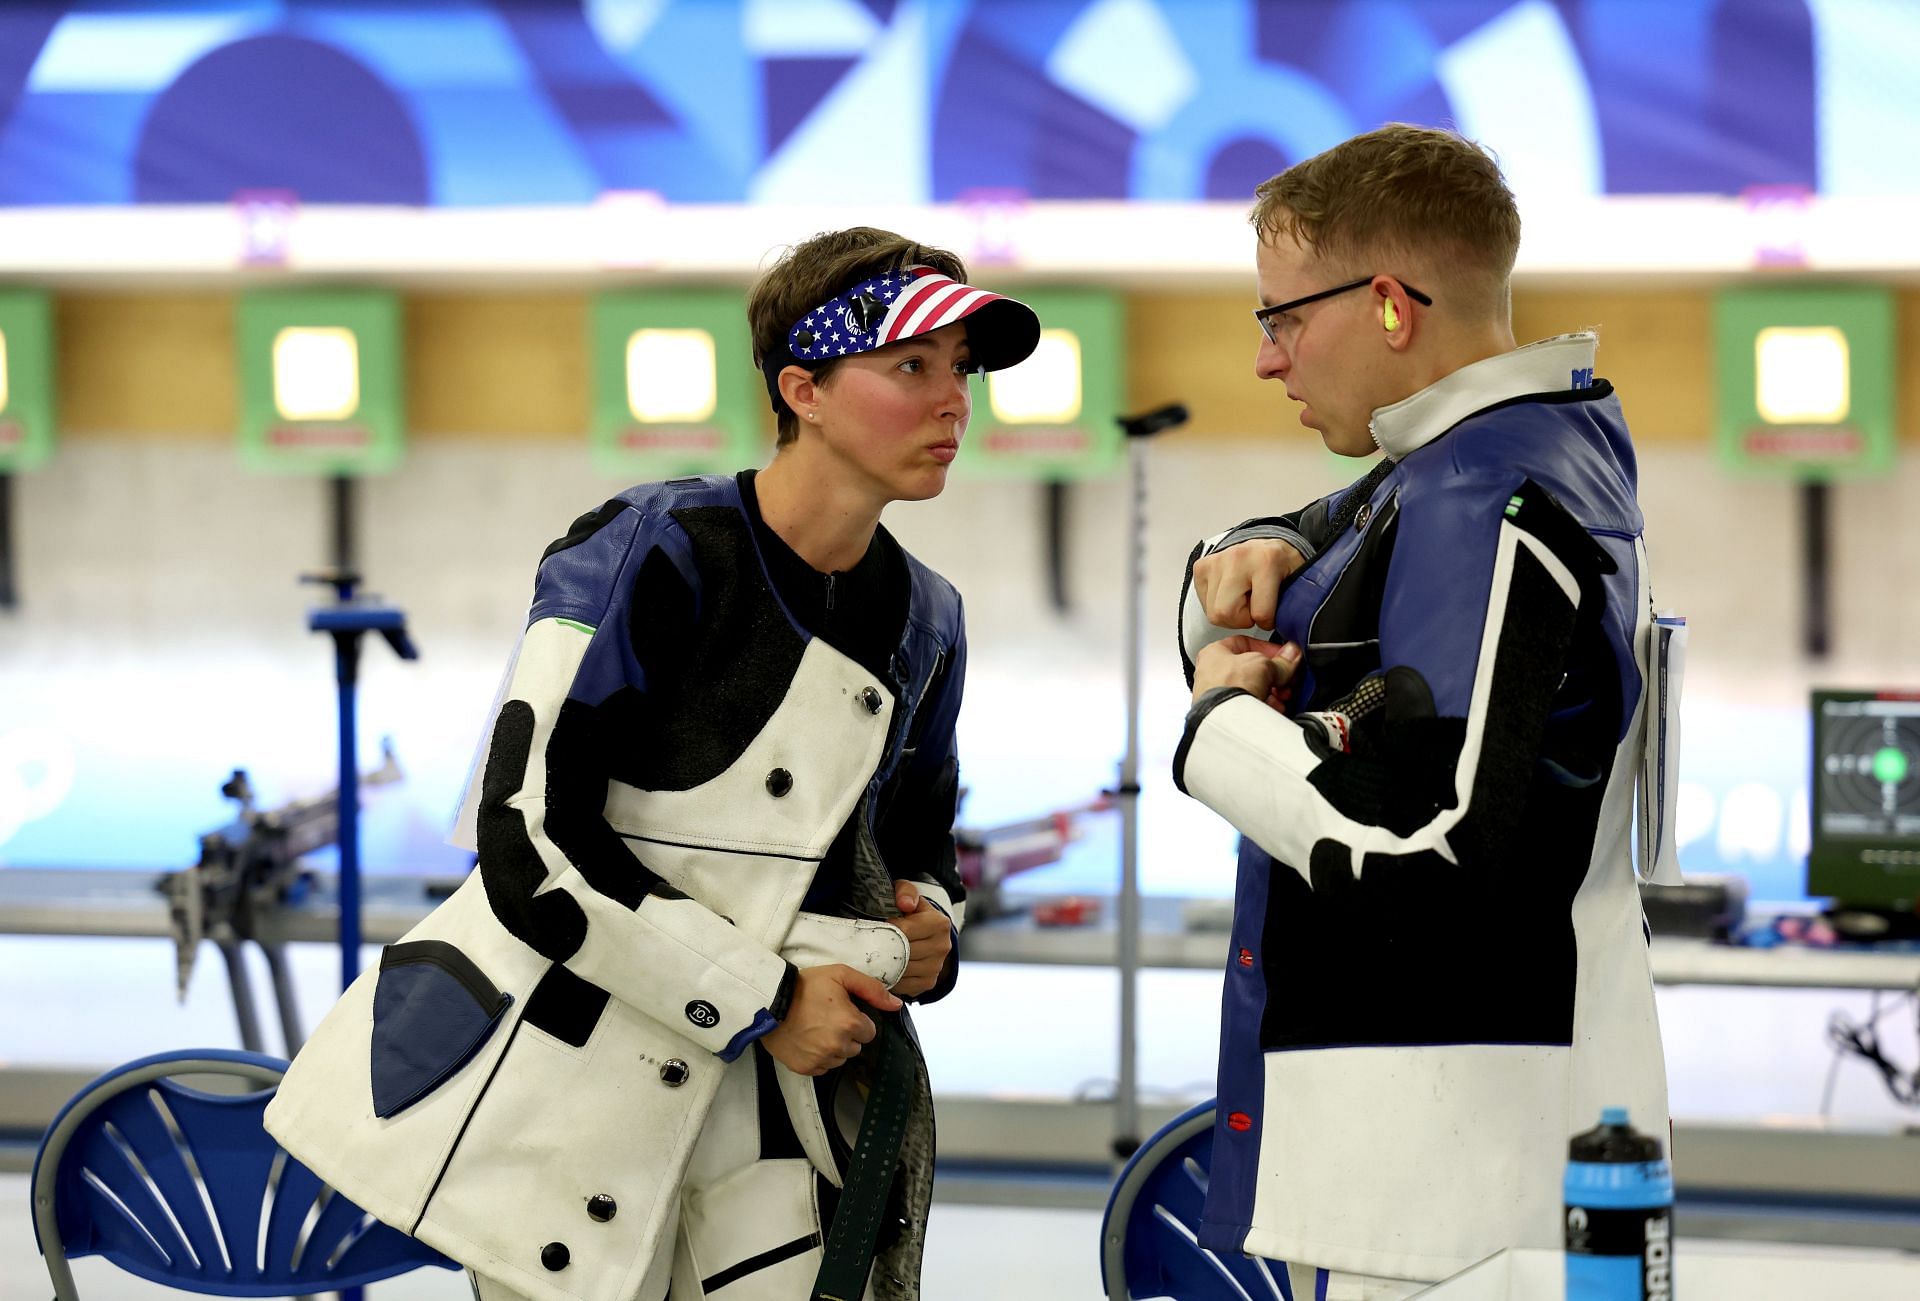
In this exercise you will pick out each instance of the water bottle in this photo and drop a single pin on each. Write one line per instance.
(1619, 1196)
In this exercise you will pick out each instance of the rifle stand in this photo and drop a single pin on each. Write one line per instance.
(347, 621)
(245, 1010)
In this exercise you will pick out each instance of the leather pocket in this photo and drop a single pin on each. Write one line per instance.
(432, 1010)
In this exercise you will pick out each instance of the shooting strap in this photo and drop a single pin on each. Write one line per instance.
(876, 1153)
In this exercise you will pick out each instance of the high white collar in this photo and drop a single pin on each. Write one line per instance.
(1552, 365)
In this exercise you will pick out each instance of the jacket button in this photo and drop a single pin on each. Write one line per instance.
(601, 1207)
(870, 697)
(674, 1072)
(779, 782)
(555, 1256)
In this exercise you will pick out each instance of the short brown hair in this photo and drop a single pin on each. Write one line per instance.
(1406, 190)
(813, 272)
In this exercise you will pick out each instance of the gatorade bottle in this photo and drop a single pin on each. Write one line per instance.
(1619, 1196)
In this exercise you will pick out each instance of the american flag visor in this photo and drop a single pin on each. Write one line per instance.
(910, 302)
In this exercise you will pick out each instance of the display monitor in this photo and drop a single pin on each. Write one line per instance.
(1865, 850)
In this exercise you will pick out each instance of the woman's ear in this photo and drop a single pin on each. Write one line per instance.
(799, 392)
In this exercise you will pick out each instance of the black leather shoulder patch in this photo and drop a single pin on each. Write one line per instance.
(586, 526)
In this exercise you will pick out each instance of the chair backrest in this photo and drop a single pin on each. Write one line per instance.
(186, 1188)
(1149, 1237)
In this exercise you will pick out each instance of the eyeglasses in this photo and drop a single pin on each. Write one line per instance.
(1265, 315)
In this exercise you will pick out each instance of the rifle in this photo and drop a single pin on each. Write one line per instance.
(249, 871)
(987, 856)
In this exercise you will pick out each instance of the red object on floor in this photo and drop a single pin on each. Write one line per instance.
(1074, 910)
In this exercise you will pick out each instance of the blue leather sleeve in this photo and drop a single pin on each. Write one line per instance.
(1434, 609)
(1435, 603)
(584, 581)
(578, 583)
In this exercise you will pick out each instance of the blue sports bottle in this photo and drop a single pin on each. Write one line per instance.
(1619, 1196)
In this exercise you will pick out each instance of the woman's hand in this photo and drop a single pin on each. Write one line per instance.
(825, 1026)
(929, 935)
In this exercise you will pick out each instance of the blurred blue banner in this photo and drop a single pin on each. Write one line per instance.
(932, 100)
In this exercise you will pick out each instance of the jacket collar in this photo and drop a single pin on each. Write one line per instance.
(1550, 366)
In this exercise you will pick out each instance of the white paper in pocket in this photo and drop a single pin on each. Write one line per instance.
(1658, 791)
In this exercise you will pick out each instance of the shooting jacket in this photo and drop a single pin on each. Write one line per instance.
(521, 1081)
(1439, 965)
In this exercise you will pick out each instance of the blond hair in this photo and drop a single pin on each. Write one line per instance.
(1404, 192)
(813, 272)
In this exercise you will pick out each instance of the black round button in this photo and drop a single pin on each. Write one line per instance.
(601, 1207)
(870, 697)
(555, 1256)
(779, 782)
(804, 338)
(674, 1072)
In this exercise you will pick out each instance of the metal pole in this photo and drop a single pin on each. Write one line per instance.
(346, 650)
(1056, 527)
(9, 597)
(1816, 568)
(1126, 1096)
(1126, 1099)
(340, 500)
(347, 655)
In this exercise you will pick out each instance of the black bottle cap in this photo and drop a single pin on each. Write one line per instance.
(1614, 1142)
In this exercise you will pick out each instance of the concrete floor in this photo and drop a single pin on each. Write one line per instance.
(1013, 1254)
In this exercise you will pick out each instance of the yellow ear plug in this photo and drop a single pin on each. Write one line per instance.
(1390, 316)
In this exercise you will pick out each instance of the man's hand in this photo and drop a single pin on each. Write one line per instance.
(929, 940)
(1240, 586)
(824, 1026)
(1259, 668)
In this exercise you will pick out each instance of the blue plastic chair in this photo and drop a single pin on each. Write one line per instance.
(186, 1188)
(1149, 1237)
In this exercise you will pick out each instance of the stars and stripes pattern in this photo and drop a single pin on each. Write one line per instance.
(885, 309)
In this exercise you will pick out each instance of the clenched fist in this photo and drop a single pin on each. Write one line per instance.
(1240, 586)
(1259, 668)
(929, 940)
